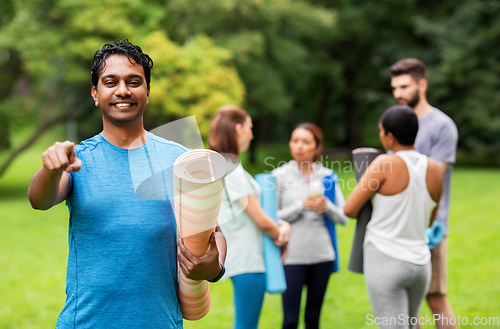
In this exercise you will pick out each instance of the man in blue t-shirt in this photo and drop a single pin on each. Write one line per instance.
(122, 262)
(437, 138)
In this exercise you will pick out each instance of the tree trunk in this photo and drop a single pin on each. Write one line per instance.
(4, 135)
(323, 107)
(353, 138)
(252, 150)
(9, 73)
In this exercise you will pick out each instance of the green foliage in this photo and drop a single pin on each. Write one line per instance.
(195, 79)
(466, 79)
(275, 45)
(456, 41)
(46, 50)
(286, 61)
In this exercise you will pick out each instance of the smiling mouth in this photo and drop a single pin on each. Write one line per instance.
(123, 104)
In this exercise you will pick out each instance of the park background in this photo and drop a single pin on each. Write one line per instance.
(285, 62)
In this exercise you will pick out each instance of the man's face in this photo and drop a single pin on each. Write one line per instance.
(122, 93)
(405, 90)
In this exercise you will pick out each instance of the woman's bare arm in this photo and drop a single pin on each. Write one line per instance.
(367, 186)
(279, 233)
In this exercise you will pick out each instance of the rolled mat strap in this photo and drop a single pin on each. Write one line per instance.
(275, 274)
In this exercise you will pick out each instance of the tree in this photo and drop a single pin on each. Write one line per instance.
(466, 78)
(49, 46)
(317, 60)
(278, 49)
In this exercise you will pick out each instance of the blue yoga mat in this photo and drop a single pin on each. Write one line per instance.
(435, 233)
(329, 184)
(275, 274)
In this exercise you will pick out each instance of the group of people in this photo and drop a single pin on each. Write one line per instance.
(301, 204)
(123, 251)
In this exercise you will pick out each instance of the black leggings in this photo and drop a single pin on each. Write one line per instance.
(315, 277)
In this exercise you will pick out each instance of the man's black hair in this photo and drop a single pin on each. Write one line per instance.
(402, 122)
(123, 47)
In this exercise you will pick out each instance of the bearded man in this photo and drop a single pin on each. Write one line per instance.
(436, 138)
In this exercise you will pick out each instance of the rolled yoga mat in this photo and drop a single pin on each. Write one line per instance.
(435, 233)
(198, 187)
(275, 274)
(329, 183)
(361, 158)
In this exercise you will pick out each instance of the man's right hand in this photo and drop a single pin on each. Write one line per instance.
(49, 185)
(61, 157)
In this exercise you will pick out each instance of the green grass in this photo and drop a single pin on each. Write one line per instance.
(34, 249)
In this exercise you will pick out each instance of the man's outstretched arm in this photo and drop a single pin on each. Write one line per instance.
(50, 184)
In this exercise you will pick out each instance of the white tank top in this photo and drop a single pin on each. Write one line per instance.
(398, 223)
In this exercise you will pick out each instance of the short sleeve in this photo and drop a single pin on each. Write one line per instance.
(71, 179)
(444, 147)
(236, 184)
(72, 174)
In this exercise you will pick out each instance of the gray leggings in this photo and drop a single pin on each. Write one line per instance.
(396, 289)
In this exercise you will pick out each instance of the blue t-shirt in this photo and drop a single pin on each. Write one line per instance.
(122, 263)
